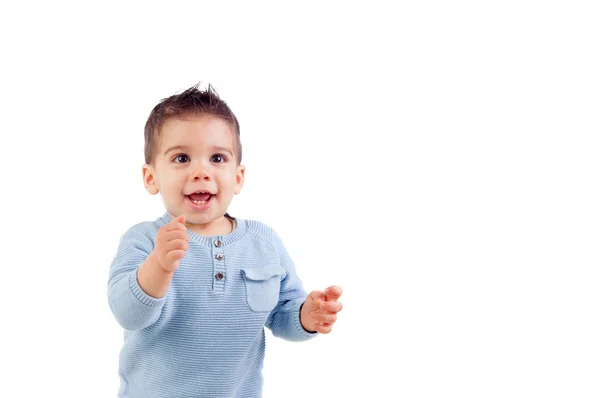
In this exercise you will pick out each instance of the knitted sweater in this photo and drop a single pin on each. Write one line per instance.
(205, 337)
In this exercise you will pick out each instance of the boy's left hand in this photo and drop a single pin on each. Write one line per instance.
(319, 311)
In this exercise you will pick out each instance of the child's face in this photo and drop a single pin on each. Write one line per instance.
(195, 154)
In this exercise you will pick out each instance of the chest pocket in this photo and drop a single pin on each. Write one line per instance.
(262, 286)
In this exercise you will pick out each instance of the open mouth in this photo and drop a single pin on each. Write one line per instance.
(200, 197)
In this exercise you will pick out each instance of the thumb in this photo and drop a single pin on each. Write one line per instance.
(180, 219)
(314, 298)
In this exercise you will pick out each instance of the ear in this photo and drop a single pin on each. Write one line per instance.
(149, 176)
(239, 179)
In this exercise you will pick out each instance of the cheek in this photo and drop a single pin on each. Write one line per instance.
(225, 177)
(232, 181)
(172, 180)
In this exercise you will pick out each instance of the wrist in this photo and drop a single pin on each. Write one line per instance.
(153, 259)
(154, 279)
(304, 321)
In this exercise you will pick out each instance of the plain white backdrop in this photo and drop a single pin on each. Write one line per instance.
(438, 160)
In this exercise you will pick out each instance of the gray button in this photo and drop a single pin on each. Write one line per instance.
(217, 243)
(219, 276)
(219, 257)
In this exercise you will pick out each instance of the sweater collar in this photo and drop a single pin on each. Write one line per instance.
(208, 241)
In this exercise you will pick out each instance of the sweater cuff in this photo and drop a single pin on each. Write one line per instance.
(296, 316)
(141, 295)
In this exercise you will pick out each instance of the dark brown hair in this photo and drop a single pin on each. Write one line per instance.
(190, 102)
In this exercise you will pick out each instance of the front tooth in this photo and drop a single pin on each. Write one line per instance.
(199, 202)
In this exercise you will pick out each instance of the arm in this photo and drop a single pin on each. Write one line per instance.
(153, 278)
(133, 275)
(142, 271)
(284, 320)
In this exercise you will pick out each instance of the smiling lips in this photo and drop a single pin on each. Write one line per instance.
(200, 197)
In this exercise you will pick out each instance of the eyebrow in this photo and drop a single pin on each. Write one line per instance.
(184, 147)
(176, 147)
(222, 149)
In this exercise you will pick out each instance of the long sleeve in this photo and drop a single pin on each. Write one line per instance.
(284, 320)
(206, 336)
(131, 306)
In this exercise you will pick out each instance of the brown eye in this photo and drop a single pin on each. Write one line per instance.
(217, 158)
(181, 158)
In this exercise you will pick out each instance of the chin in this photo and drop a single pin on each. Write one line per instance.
(200, 219)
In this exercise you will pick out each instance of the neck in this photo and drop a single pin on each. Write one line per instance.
(220, 226)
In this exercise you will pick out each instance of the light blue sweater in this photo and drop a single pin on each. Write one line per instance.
(205, 337)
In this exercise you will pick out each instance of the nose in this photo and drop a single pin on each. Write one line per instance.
(200, 173)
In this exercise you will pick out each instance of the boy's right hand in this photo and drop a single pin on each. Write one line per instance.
(171, 244)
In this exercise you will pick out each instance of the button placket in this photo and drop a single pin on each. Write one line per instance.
(219, 274)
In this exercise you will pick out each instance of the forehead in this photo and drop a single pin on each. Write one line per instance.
(196, 130)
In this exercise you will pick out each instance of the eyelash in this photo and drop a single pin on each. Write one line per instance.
(183, 154)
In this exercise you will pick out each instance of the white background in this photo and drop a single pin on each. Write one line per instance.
(438, 160)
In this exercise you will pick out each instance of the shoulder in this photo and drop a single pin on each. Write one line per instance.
(263, 232)
(143, 232)
(258, 228)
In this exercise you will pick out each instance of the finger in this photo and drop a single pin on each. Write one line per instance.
(331, 306)
(175, 254)
(323, 329)
(333, 293)
(171, 228)
(179, 219)
(324, 318)
(317, 295)
(176, 225)
(173, 266)
(176, 234)
(177, 244)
